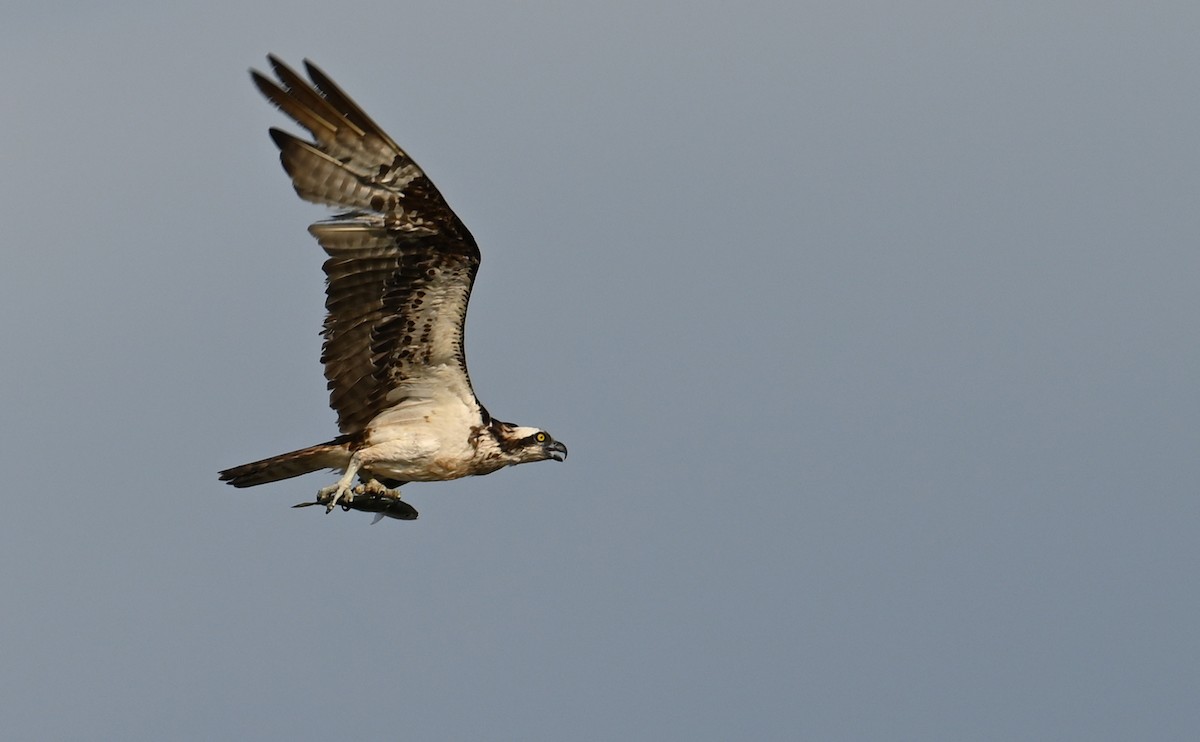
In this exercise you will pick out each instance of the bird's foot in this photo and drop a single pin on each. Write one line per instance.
(332, 495)
(370, 497)
(374, 488)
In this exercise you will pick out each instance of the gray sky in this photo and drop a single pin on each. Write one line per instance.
(871, 328)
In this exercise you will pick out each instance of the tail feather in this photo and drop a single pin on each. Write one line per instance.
(332, 455)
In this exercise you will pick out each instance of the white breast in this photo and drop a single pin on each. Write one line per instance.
(421, 440)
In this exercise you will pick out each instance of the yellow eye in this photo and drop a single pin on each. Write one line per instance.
(540, 437)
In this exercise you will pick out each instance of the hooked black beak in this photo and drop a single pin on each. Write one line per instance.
(557, 451)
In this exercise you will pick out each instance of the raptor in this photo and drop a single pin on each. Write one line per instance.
(399, 274)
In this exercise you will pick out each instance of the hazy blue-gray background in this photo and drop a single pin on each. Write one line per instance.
(871, 328)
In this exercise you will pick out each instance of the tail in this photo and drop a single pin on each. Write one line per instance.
(332, 455)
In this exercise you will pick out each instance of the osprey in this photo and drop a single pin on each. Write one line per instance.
(399, 275)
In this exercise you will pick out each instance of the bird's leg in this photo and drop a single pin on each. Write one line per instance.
(341, 489)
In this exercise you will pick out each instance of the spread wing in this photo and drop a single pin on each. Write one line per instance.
(401, 264)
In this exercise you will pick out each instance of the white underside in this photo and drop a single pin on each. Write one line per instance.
(427, 437)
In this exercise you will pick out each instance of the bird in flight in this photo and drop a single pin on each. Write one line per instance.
(398, 279)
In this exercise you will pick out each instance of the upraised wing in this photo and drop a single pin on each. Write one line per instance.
(401, 263)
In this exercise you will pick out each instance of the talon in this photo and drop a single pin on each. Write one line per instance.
(373, 488)
(340, 491)
(375, 498)
(331, 496)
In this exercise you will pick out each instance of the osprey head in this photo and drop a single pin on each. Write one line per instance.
(523, 444)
